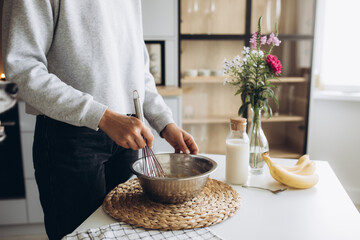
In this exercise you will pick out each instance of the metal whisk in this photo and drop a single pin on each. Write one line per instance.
(151, 166)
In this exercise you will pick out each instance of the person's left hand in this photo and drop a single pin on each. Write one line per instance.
(179, 139)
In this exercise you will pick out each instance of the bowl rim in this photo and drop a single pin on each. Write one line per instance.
(213, 168)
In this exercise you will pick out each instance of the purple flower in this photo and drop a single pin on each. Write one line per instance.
(276, 41)
(273, 39)
(253, 40)
(263, 40)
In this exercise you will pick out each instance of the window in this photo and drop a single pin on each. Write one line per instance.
(337, 49)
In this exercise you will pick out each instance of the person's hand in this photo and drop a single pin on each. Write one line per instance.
(127, 132)
(179, 139)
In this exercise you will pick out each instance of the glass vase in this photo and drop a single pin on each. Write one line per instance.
(258, 142)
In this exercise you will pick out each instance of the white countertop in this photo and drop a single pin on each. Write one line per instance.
(322, 212)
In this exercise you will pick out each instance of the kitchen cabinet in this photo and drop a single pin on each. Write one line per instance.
(27, 126)
(159, 17)
(160, 21)
(172, 98)
(13, 211)
(160, 24)
(27, 139)
(212, 30)
(34, 209)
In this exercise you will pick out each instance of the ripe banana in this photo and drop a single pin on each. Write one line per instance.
(302, 175)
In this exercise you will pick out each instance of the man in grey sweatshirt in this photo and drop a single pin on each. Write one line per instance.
(77, 63)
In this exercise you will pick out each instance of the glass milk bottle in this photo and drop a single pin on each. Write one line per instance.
(237, 152)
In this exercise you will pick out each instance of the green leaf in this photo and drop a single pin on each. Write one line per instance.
(270, 85)
(251, 84)
(243, 97)
(238, 92)
(265, 107)
(270, 91)
(268, 110)
(276, 101)
(242, 108)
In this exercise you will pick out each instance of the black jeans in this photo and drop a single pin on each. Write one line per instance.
(75, 167)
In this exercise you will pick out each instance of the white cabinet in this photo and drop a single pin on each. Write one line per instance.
(160, 24)
(13, 211)
(27, 121)
(160, 144)
(35, 213)
(27, 139)
(171, 62)
(16, 211)
(27, 127)
(159, 17)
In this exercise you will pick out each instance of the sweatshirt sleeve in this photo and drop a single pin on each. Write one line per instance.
(156, 111)
(28, 29)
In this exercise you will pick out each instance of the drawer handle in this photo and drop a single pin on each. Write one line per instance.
(2, 134)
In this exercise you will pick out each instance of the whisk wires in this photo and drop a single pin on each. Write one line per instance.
(151, 165)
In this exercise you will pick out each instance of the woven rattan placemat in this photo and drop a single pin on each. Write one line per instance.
(214, 204)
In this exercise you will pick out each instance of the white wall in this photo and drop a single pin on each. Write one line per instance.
(334, 134)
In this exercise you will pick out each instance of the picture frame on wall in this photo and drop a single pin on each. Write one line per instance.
(156, 51)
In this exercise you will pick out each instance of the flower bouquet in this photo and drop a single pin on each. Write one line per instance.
(252, 75)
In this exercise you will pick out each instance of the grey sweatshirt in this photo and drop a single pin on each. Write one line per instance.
(73, 59)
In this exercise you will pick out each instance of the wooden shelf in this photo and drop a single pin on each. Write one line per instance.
(291, 80)
(221, 79)
(283, 152)
(275, 152)
(167, 91)
(283, 118)
(210, 79)
(206, 120)
(226, 119)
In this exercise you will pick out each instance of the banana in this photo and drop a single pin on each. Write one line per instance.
(302, 175)
(303, 166)
(300, 164)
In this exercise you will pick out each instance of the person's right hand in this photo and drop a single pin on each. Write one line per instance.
(127, 132)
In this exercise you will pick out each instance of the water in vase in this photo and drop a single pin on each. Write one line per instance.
(256, 161)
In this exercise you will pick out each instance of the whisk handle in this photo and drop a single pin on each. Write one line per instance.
(138, 108)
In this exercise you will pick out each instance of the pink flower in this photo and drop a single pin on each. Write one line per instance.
(263, 40)
(273, 39)
(274, 63)
(253, 40)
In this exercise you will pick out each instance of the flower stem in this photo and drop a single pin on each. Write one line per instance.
(258, 36)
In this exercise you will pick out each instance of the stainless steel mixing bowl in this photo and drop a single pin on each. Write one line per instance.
(186, 176)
